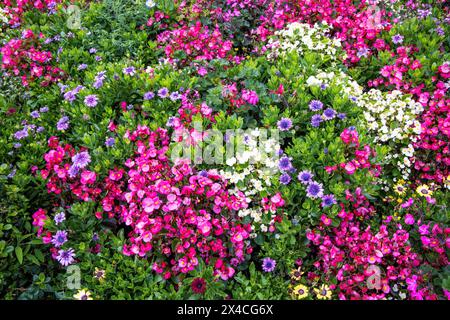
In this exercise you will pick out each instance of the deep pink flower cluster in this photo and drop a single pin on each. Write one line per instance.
(355, 24)
(177, 216)
(347, 254)
(16, 8)
(197, 42)
(239, 97)
(25, 58)
(362, 156)
(60, 178)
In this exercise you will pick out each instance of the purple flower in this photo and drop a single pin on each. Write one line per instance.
(110, 142)
(305, 177)
(59, 217)
(285, 178)
(63, 123)
(284, 163)
(329, 114)
(70, 96)
(73, 171)
(268, 264)
(98, 58)
(19, 135)
(284, 124)
(59, 238)
(65, 257)
(40, 129)
(315, 105)
(35, 114)
(440, 31)
(363, 52)
(149, 95)
(314, 190)
(130, 71)
(82, 66)
(92, 50)
(323, 86)
(17, 145)
(341, 116)
(81, 159)
(174, 96)
(328, 200)
(316, 120)
(397, 39)
(43, 110)
(163, 93)
(91, 100)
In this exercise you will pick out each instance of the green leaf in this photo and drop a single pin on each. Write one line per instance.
(19, 254)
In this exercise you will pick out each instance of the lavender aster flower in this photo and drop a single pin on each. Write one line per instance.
(43, 110)
(65, 257)
(363, 52)
(314, 190)
(130, 71)
(328, 200)
(305, 177)
(285, 178)
(268, 264)
(59, 217)
(342, 116)
(163, 93)
(397, 39)
(59, 238)
(315, 105)
(63, 123)
(284, 124)
(35, 114)
(82, 66)
(284, 163)
(316, 120)
(110, 142)
(73, 171)
(92, 50)
(149, 95)
(91, 100)
(19, 135)
(81, 159)
(70, 96)
(174, 96)
(329, 114)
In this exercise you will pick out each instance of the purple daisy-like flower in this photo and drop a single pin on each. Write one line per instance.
(314, 190)
(66, 257)
(397, 39)
(316, 120)
(284, 163)
(91, 100)
(19, 135)
(268, 264)
(82, 66)
(92, 50)
(285, 178)
(59, 238)
(73, 171)
(284, 124)
(43, 110)
(63, 123)
(129, 71)
(328, 200)
(35, 114)
(70, 96)
(149, 95)
(59, 218)
(81, 159)
(174, 96)
(163, 93)
(363, 52)
(315, 105)
(110, 142)
(323, 86)
(342, 116)
(440, 31)
(305, 177)
(329, 114)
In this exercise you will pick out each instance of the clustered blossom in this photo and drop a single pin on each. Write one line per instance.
(177, 216)
(26, 59)
(347, 252)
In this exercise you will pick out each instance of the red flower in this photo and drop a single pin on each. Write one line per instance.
(198, 285)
